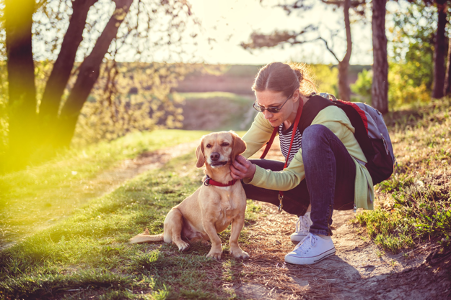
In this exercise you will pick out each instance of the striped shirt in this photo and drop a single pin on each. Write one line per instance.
(284, 142)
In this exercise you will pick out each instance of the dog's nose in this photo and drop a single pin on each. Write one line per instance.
(214, 156)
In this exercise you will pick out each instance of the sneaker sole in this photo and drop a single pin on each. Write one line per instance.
(310, 260)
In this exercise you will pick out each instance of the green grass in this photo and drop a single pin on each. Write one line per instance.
(87, 255)
(414, 204)
(41, 195)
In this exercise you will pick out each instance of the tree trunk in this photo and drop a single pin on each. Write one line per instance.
(447, 82)
(58, 79)
(21, 79)
(440, 51)
(380, 66)
(344, 87)
(88, 75)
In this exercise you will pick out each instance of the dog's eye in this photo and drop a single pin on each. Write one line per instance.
(224, 144)
(208, 146)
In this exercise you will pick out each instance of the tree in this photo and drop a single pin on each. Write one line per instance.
(380, 65)
(259, 40)
(153, 25)
(447, 80)
(441, 48)
(20, 66)
(440, 43)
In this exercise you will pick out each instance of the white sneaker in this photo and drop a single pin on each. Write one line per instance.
(311, 250)
(301, 228)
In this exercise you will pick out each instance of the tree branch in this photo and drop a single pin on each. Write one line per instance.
(328, 48)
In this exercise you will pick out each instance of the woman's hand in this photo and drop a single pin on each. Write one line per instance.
(242, 168)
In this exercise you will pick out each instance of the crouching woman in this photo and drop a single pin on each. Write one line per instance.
(325, 168)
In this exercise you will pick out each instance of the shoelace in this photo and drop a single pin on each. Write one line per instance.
(305, 245)
(302, 224)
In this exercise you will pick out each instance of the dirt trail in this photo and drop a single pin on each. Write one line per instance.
(359, 270)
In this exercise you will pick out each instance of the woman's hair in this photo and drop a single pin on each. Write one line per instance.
(286, 78)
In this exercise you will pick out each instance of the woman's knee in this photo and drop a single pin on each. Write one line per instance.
(315, 137)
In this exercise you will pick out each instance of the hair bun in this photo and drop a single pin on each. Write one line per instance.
(299, 74)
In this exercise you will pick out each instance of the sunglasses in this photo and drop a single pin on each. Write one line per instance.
(271, 109)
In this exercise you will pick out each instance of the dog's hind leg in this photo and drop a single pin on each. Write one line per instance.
(173, 228)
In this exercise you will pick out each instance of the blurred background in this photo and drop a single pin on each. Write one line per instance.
(75, 73)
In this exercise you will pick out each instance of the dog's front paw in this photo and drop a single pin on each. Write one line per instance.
(182, 245)
(214, 254)
(239, 253)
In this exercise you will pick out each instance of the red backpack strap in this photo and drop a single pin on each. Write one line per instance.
(269, 143)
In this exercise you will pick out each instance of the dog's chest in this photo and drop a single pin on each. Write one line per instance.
(227, 202)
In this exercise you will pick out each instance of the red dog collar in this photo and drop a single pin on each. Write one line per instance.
(209, 181)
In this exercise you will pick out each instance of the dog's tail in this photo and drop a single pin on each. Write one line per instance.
(145, 237)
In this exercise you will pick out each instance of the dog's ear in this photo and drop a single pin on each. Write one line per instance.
(200, 155)
(238, 145)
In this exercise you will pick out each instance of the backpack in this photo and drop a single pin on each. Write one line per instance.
(370, 132)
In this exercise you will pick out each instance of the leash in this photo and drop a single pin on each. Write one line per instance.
(209, 181)
(270, 141)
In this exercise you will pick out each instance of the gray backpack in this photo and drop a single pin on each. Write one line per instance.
(370, 132)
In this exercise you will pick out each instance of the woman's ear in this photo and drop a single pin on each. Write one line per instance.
(200, 155)
(296, 95)
(238, 145)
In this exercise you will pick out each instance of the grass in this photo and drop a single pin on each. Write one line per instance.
(87, 255)
(41, 195)
(414, 204)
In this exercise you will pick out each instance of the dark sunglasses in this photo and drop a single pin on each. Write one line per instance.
(271, 109)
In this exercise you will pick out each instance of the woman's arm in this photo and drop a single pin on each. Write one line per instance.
(334, 119)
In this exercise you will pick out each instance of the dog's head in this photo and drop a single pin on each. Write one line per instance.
(219, 148)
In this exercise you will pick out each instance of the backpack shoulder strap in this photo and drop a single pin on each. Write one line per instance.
(358, 123)
(310, 110)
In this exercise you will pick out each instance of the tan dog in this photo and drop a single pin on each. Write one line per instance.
(211, 208)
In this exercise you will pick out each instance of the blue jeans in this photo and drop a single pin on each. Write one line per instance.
(329, 183)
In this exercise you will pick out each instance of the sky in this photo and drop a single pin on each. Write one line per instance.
(231, 22)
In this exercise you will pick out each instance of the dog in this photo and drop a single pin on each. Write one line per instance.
(219, 201)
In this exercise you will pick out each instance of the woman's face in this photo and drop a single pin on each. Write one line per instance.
(276, 99)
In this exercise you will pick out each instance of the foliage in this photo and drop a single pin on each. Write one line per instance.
(402, 87)
(363, 87)
(139, 99)
(414, 204)
(325, 77)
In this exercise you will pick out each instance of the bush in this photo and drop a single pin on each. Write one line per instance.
(403, 87)
(363, 87)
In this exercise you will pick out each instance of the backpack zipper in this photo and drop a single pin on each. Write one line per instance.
(384, 143)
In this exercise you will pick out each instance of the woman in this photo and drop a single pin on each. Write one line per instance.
(325, 167)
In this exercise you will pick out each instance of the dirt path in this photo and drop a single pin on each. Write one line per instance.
(359, 270)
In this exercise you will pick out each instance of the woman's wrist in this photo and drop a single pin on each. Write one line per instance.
(252, 171)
